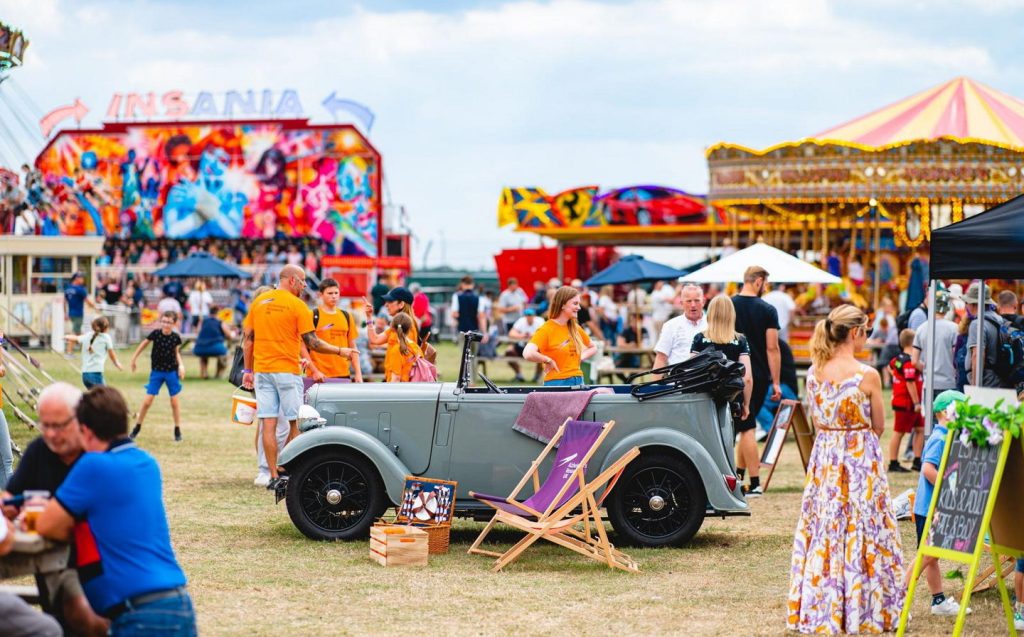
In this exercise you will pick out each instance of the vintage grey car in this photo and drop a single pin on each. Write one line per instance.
(350, 464)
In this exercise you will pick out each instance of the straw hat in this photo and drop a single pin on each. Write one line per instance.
(971, 296)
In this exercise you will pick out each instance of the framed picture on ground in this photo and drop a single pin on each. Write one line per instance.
(789, 416)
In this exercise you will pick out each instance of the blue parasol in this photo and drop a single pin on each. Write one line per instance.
(202, 264)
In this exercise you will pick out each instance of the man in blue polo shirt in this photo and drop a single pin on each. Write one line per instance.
(138, 585)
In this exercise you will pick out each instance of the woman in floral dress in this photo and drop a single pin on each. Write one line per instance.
(847, 560)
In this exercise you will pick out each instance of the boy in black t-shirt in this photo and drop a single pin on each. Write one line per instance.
(166, 368)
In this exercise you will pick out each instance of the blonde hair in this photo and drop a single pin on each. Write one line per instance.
(721, 320)
(400, 325)
(835, 330)
(562, 296)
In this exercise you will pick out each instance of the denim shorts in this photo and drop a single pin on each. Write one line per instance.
(158, 379)
(173, 616)
(92, 379)
(564, 382)
(278, 393)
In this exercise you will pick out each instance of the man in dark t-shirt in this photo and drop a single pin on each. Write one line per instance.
(759, 322)
(44, 465)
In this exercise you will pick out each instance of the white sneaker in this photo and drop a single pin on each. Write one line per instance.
(756, 492)
(1018, 620)
(948, 607)
(262, 480)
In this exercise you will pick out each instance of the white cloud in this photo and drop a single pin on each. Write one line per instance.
(555, 93)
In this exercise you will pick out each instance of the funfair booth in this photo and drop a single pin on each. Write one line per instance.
(33, 274)
(588, 224)
(248, 180)
(886, 178)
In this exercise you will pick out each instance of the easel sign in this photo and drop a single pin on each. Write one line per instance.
(789, 416)
(977, 492)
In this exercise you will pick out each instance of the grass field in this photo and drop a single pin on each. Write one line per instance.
(252, 573)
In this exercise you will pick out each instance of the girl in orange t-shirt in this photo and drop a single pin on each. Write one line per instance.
(560, 344)
(402, 349)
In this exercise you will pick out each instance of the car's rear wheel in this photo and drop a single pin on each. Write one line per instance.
(334, 495)
(658, 501)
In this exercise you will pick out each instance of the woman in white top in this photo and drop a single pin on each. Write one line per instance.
(97, 346)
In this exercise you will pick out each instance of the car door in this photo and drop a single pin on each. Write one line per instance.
(487, 455)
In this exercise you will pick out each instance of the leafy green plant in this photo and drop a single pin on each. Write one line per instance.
(983, 426)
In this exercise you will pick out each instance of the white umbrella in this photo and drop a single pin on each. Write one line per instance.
(781, 266)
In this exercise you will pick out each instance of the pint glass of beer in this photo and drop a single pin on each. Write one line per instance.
(35, 502)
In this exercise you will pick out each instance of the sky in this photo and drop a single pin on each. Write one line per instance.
(472, 96)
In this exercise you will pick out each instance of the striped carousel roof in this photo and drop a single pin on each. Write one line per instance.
(961, 109)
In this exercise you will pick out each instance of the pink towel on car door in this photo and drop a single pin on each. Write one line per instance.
(544, 412)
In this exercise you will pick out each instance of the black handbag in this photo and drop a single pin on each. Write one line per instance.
(237, 365)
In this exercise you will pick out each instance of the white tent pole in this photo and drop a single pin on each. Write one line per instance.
(929, 377)
(979, 351)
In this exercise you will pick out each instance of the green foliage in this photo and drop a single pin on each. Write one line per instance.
(982, 426)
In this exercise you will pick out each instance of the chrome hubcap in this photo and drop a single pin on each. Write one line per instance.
(333, 496)
(656, 503)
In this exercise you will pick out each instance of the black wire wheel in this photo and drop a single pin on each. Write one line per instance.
(658, 501)
(334, 495)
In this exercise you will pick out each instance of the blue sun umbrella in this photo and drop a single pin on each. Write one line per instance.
(634, 268)
(202, 264)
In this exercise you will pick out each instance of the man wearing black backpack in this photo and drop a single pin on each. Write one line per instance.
(993, 322)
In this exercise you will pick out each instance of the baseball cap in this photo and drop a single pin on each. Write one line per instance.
(946, 398)
(530, 312)
(398, 294)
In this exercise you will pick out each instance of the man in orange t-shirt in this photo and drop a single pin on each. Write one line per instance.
(278, 324)
(336, 327)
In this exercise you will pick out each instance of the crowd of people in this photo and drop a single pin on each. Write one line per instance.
(287, 346)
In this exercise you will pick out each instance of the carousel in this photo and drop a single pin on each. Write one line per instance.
(880, 183)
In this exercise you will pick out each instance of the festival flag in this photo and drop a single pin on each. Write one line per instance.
(149, 316)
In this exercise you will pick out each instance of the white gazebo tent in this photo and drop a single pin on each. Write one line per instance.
(782, 267)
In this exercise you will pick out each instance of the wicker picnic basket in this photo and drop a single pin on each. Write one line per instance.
(421, 507)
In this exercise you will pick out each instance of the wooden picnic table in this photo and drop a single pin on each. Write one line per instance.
(33, 554)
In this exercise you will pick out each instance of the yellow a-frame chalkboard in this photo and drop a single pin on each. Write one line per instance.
(977, 492)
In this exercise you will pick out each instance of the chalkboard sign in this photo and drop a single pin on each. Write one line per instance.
(963, 497)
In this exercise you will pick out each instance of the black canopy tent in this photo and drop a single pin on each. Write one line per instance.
(989, 245)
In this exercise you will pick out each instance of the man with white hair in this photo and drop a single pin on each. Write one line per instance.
(677, 334)
(44, 465)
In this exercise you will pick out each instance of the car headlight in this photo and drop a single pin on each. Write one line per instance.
(309, 418)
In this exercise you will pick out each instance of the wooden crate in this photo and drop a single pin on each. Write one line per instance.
(398, 545)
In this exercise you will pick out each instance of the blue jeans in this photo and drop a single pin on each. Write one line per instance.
(92, 379)
(171, 617)
(564, 382)
(6, 453)
(766, 416)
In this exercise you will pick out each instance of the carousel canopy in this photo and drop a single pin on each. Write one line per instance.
(961, 109)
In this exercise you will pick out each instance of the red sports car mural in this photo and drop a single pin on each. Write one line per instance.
(650, 206)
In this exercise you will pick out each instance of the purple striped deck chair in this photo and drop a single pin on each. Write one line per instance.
(564, 501)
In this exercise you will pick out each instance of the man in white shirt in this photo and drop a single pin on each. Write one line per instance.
(677, 334)
(523, 330)
(511, 303)
(784, 305)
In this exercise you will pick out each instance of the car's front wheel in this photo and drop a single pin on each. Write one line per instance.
(658, 501)
(334, 495)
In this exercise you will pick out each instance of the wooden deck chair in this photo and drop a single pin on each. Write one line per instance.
(565, 509)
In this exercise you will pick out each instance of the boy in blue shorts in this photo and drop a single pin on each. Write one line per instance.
(945, 411)
(167, 368)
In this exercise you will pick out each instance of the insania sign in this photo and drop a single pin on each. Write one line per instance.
(174, 104)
